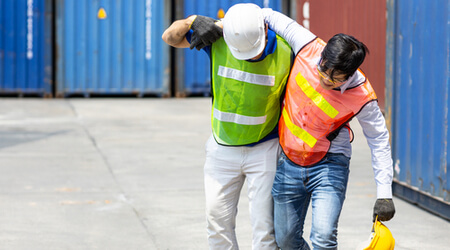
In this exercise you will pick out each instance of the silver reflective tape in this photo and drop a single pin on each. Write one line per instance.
(243, 76)
(238, 119)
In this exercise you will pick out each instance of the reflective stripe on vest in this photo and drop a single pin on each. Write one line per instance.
(239, 119)
(297, 131)
(311, 113)
(316, 97)
(247, 95)
(246, 77)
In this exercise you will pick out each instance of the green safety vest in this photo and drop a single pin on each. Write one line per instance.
(247, 95)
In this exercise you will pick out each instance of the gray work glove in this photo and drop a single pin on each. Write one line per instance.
(206, 32)
(384, 208)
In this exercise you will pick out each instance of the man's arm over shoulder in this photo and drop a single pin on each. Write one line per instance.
(175, 35)
(295, 34)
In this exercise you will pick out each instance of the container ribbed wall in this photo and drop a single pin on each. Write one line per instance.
(417, 80)
(112, 47)
(25, 47)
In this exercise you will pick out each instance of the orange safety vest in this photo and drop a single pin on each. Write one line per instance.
(311, 114)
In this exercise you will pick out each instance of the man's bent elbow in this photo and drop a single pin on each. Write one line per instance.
(166, 37)
(174, 40)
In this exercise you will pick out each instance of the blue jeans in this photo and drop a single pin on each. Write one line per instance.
(324, 184)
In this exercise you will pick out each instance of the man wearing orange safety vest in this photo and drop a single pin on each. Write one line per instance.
(325, 90)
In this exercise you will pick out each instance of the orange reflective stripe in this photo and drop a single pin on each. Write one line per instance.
(315, 96)
(297, 131)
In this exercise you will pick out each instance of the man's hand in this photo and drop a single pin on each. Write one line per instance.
(384, 208)
(206, 32)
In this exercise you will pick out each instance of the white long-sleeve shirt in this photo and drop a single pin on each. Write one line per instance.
(370, 117)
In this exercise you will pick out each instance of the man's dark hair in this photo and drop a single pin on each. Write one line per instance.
(343, 54)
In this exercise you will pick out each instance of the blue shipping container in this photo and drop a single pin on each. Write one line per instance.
(417, 101)
(112, 47)
(193, 67)
(25, 47)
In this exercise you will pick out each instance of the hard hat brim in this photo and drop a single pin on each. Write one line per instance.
(251, 53)
(381, 238)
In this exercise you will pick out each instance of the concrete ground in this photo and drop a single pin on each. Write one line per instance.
(128, 174)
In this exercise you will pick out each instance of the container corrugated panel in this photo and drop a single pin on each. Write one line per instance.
(112, 47)
(25, 47)
(365, 20)
(193, 67)
(417, 80)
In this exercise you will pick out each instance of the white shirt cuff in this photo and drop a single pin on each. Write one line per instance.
(384, 191)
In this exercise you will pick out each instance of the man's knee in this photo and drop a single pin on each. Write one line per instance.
(290, 240)
(324, 238)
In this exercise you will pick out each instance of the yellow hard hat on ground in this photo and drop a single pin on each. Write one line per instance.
(380, 239)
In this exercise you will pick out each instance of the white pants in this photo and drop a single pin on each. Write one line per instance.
(225, 171)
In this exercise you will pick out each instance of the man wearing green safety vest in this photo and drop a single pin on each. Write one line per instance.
(249, 69)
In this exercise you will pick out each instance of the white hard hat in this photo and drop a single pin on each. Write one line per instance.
(243, 30)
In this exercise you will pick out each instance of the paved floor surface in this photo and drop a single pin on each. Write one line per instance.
(128, 174)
